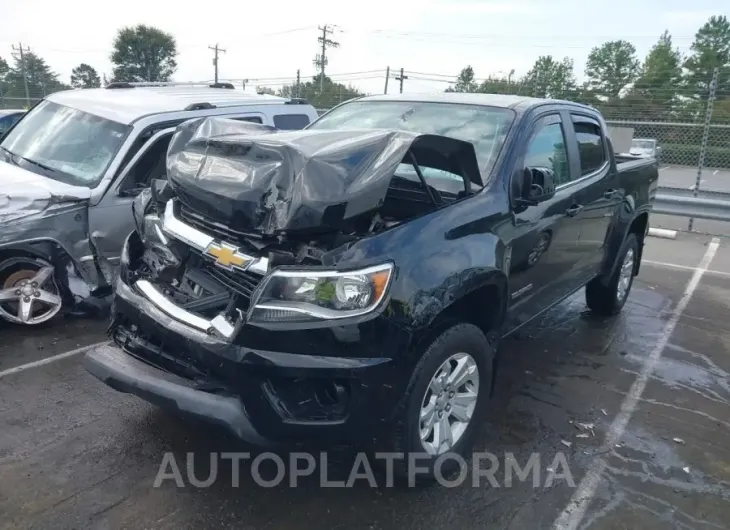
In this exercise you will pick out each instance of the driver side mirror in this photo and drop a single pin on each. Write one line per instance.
(538, 185)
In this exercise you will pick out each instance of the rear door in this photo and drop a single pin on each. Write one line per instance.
(596, 190)
(543, 258)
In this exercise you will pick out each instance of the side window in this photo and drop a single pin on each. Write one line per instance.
(251, 119)
(590, 146)
(151, 165)
(291, 122)
(547, 150)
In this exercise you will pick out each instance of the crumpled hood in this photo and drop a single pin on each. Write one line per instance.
(24, 193)
(256, 178)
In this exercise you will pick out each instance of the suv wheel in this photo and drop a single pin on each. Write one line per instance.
(609, 299)
(446, 397)
(28, 291)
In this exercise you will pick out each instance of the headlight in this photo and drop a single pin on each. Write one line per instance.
(290, 296)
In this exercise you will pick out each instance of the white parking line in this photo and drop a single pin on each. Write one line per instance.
(48, 360)
(573, 514)
(682, 267)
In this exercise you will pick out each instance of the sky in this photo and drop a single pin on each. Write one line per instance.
(266, 42)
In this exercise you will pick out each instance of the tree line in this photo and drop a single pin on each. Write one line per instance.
(665, 86)
(139, 53)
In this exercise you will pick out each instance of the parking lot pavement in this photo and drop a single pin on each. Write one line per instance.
(712, 179)
(21, 345)
(637, 404)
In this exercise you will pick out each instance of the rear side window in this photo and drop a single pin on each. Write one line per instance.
(291, 122)
(590, 147)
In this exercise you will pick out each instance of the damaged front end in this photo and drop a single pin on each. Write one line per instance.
(253, 224)
(44, 223)
(245, 279)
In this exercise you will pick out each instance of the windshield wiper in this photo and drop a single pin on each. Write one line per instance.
(42, 166)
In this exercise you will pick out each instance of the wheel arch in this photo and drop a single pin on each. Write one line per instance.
(638, 224)
(471, 307)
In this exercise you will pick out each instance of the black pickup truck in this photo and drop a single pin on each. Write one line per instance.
(350, 282)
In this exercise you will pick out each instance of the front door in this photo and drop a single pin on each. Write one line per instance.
(544, 246)
(111, 221)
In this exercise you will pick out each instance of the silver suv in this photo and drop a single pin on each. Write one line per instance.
(70, 169)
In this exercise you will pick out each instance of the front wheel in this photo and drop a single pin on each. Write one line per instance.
(28, 291)
(610, 298)
(445, 400)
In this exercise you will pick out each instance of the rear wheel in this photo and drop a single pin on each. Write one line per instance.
(28, 291)
(609, 299)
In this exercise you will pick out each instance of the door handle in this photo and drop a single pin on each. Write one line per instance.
(609, 194)
(574, 210)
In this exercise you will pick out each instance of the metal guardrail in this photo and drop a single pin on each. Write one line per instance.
(681, 202)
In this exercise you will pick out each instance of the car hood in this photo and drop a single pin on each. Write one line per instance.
(255, 178)
(23, 193)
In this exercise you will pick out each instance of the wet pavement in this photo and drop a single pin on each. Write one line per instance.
(75, 454)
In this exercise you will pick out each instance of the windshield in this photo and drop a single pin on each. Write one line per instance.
(64, 144)
(485, 127)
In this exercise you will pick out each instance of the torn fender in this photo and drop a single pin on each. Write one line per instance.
(255, 178)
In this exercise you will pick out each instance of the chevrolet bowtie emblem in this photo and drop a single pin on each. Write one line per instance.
(228, 256)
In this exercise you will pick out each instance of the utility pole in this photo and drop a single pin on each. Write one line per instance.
(387, 76)
(299, 80)
(320, 61)
(19, 50)
(216, 50)
(401, 78)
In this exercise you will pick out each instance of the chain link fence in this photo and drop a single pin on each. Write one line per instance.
(18, 103)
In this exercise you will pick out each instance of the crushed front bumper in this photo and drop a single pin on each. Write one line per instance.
(126, 374)
(324, 386)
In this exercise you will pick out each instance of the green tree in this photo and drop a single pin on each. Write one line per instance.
(143, 53)
(500, 85)
(4, 69)
(710, 50)
(611, 67)
(41, 79)
(84, 76)
(465, 81)
(549, 78)
(655, 93)
(332, 93)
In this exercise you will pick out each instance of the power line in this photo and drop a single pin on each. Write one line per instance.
(216, 50)
(320, 60)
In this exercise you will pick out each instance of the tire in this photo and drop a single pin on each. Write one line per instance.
(609, 299)
(458, 340)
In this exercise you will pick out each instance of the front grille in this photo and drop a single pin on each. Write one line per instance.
(242, 283)
(216, 230)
